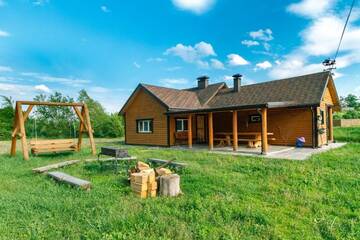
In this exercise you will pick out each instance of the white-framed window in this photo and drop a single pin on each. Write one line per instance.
(144, 126)
(181, 124)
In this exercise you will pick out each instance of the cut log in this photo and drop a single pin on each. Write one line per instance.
(170, 185)
(170, 163)
(55, 166)
(73, 181)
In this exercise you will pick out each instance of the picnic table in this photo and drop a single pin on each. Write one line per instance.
(252, 138)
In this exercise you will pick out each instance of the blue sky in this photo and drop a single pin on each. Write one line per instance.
(109, 46)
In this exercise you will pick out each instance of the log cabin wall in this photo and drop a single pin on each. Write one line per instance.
(286, 124)
(145, 106)
(326, 101)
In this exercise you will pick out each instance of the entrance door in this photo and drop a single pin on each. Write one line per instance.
(200, 129)
(327, 124)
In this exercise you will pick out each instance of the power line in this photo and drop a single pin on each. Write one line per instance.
(343, 32)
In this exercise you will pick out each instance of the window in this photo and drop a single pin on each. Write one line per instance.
(144, 126)
(322, 117)
(181, 125)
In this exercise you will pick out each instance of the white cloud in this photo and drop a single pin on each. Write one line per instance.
(320, 39)
(173, 82)
(5, 69)
(98, 89)
(195, 6)
(227, 78)
(264, 35)
(42, 88)
(105, 9)
(250, 43)
(170, 69)
(68, 81)
(158, 59)
(4, 33)
(310, 8)
(216, 64)
(193, 54)
(136, 65)
(40, 2)
(236, 60)
(244, 80)
(263, 65)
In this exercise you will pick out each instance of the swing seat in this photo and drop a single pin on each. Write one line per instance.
(53, 146)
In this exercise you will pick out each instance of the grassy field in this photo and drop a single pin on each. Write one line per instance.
(225, 197)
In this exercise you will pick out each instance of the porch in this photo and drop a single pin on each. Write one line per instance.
(277, 152)
(258, 130)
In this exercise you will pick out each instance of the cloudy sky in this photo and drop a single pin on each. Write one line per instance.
(109, 46)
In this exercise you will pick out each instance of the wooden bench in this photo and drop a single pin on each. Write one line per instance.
(53, 146)
(181, 137)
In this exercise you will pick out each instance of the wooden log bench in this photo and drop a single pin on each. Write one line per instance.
(52, 146)
(73, 181)
(181, 137)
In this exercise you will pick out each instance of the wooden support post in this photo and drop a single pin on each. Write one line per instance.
(235, 131)
(331, 125)
(14, 138)
(81, 129)
(90, 131)
(211, 131)
(22, 131)
(264, 133)
(190, 130)
(26, 115)
(80, 116)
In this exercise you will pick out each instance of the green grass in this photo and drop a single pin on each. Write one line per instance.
(225, 197)
(348, 134)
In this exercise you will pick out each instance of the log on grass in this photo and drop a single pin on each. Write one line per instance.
(170, 185)
(166, 162)
(54, 166)
(73, 181)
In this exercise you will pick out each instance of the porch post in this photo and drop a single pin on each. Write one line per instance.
(264, 133)
(211, 131)
(235, 131)
(190, 131)
(331, 125)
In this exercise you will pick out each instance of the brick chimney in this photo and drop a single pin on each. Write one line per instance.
(237, 82)
(203, 82)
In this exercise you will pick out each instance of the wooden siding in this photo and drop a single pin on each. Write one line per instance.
(326, 101)
(286, 124)
(145, 106)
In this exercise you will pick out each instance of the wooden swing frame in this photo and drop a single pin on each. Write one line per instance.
(20, 118)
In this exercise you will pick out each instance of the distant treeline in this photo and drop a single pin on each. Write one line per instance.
(350, 108)
(60, 122)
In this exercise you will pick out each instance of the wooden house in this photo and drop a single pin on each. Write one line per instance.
(274, 112)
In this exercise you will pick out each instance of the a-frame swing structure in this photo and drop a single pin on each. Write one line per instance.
(20, 118)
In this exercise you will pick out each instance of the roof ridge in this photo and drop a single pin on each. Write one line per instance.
(150, 85)
(284, 79)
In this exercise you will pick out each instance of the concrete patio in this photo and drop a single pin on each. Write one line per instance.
(282, 152)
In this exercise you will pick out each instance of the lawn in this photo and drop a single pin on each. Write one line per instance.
(225, 197)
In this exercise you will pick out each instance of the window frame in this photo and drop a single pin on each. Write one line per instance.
(140, 124)
(184, 126)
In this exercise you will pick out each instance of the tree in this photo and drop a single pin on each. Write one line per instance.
(351, 101)
(6, 117)
(104, 125)
(53, 121)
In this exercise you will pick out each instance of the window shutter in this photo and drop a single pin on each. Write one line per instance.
(137, 126)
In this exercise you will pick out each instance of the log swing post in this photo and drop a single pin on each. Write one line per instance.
(51, 145)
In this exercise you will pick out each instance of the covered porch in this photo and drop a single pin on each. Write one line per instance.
(222, 130)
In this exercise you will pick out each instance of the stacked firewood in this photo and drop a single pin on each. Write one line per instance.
(144, 181)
